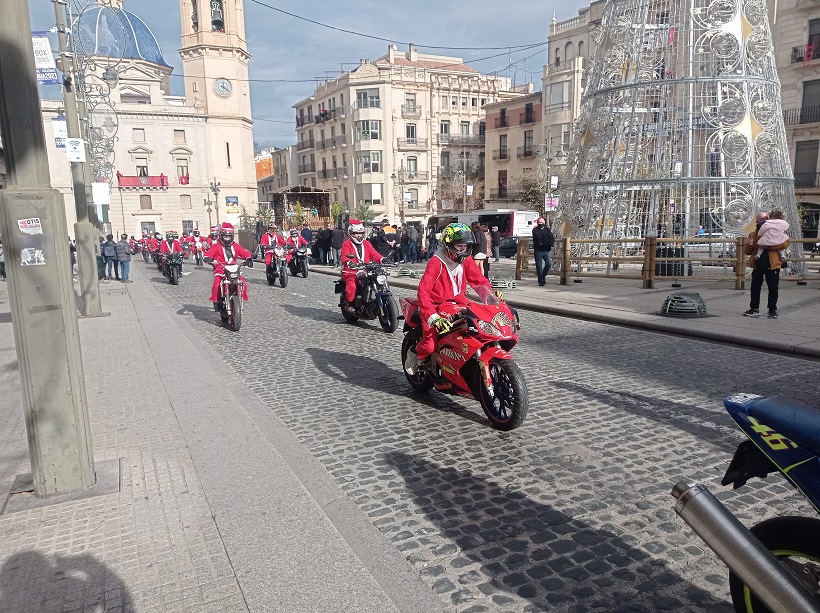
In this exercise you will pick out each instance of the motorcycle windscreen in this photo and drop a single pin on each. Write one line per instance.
(786, 433)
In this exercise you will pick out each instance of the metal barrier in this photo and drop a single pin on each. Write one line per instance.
(659, 258)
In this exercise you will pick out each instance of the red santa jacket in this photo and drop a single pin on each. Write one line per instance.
(299, 242)
(222, 255)
(166, 248)
(154, 244)
(272, 240)
(438, 284)
(362, 254)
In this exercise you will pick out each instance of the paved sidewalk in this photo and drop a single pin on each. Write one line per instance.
(620, 302)
(220, 509)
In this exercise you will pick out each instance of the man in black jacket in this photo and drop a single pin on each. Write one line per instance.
(542, 242)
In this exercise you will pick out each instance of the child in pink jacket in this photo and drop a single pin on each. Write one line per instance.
(772, 233)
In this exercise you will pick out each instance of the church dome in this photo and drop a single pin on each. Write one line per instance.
(119, 34)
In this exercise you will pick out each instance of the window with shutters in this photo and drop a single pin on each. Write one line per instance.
(810, 109)
(805, 163)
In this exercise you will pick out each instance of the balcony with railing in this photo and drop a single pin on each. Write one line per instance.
(806, 179)
(160, 181)
(471, 170)
(501, 122)
(804, 54)
(527, 151)
(321, 144)
(368, 103)
(526, 118)
(339, 172)
(329, 114)
(806, 114)
(411, 143)
(500, 192)
(417, 176)
(462, 139)
(310, 167)
(305, 144)
(411, 111)
(501, 154)
(416, 207)
(338, 141)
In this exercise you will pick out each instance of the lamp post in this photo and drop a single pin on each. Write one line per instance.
(398, 189)
(208, 209)
(215, 189)
(460, 179)
(545, 176)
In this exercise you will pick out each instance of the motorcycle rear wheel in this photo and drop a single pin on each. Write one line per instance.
(235, 321)
(174, 276)
(796, 541)
(507, 409)
(349, 317)
(419, 382)
(390, 319)
(283, 276)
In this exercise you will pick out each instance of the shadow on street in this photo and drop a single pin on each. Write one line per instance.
(201, 313)
(31, 581)
(539, 553)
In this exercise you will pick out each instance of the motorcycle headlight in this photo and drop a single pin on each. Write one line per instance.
(487, 328)
(381, 279)
(233, 275)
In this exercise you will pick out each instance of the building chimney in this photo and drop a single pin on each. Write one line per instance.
(391, 53)
(414, 53)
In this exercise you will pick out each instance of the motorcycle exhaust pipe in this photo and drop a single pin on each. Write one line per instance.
(741, 551)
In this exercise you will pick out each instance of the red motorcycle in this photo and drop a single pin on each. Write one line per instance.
(472, 359)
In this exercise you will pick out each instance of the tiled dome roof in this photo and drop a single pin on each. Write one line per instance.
(117, 34)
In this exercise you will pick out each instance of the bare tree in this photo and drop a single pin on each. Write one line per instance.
(451, 190)
(529, 189)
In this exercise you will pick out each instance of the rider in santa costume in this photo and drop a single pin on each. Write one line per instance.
(226, 251)
(212, 238)
(269, 240)
(294, 241)
(445, 280)
(355, 250)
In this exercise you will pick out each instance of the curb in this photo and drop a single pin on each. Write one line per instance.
(795, 347)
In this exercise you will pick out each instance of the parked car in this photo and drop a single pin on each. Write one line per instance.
(509, 247)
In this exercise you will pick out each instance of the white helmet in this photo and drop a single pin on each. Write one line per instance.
(356, 227)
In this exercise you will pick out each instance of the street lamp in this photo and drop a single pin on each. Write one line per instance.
(546, 180)
(215, 189)
(460, 179)
(398, 189)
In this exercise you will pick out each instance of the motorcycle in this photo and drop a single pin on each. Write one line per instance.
(231, 289)
(373, 297)
(775, 566)
(146, 253)
(278, 268)
(172, 267)
(472, 360)
(199, 252)
(298, 261)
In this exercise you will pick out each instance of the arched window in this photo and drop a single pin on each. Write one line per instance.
(557, 57)
(217, 16)
(569, 51)
(580, 48)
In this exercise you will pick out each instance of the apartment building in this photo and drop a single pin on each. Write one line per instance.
(797, 26)
(515, 141)
(389, 134)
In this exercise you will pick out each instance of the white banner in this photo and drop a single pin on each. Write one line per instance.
(60, 131)
(43, 59)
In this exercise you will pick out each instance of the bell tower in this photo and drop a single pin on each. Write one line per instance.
(215, 62)
(215, 56)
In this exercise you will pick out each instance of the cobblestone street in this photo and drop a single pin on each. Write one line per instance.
(571, 512)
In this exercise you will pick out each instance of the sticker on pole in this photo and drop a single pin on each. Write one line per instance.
(30, 226)
(75, 149)
(32, 257)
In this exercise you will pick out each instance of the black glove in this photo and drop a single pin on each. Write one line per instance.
(249, 262)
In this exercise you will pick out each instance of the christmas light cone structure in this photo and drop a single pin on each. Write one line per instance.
(681, 124)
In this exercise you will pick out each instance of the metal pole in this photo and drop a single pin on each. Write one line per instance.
(90, 305)
(41, 295)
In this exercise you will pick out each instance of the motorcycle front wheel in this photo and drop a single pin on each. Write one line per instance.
(199, 259)
(419, 382)
(146, 256)
(174, 276)
(235, 321)
(270, 274)
(223, 312)
(793, 540)
(304, 269)
(506, 408)
(283, 276)
(389, 319)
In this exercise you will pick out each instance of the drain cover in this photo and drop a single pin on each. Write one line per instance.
(688, 304)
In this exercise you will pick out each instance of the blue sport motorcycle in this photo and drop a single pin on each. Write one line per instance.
(775, 566)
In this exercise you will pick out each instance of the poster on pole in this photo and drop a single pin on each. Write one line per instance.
(60, 131)
(232, 205)
(553, 182)
(44, 60)
(75, 149)
(550, 203)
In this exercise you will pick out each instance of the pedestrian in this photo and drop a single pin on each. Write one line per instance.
(323, 239)
(2, 263)
(413, 244)
(542, 243)
(124, 258)
(404, 244)
(306, 233)
(109, 252)
(432, 242)
(72, 254)
(495, 239)
(767, 267)
(479, 247)
(337, 239)
(489, 242)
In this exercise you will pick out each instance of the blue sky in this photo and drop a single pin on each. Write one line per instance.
(284, 47)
